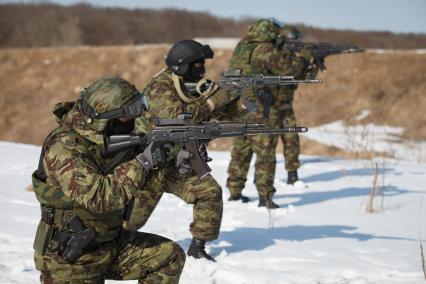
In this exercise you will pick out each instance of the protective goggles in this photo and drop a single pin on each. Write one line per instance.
(133, 108)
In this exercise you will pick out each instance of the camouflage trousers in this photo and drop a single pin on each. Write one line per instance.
(243, 148)
(132, 256)
(264, 147)
(291, 142)
(205, 195)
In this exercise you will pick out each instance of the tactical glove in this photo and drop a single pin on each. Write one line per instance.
(220, 98)
(153, 156)
(182, 162)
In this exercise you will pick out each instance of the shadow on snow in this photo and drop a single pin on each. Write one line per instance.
(323, 196)
(334, 175)
(243, 239)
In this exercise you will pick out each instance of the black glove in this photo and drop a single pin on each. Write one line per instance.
(153, 156)
(182, 162)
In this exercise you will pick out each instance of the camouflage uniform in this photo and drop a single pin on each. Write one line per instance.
(300, 65)
(70, 182)
(205, 194)
(257, 53)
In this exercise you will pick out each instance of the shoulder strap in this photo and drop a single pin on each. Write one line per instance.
(115, 161)
(178, 87)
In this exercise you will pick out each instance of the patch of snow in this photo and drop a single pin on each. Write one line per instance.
(369, 137)
(226, 42)
(364, 114)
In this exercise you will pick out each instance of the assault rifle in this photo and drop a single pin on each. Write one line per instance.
(192, 137)
(235, 79)
(320, 50)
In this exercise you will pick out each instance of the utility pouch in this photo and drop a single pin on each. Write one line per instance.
(43, 236)
(79, 241)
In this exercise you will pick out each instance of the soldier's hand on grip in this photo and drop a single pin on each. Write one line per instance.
(154, 156)
(182, 162)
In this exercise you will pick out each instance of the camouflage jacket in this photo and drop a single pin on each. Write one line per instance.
(260, 57)
(74, 181)
(298, 66)
(165, 102)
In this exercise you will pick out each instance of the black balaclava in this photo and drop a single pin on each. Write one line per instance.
(117, 127)
(195, 74)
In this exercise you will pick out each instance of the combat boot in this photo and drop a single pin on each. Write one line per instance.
(292, 177)
(266, 201)
(197, 250)
(243, 198)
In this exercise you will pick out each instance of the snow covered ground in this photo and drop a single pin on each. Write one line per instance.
(369, 138)
(321, 233)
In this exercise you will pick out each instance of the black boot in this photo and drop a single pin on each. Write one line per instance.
(197, 250)
(292, 177)
(243, 198)
(266, 201)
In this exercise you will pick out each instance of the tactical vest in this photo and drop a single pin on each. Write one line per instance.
(241, 57)
(62, 219)
(255, 101)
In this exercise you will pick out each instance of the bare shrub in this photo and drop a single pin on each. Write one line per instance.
(422, 256)
(373, 191)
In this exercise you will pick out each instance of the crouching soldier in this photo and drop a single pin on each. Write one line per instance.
(84, 194)
(169, 97)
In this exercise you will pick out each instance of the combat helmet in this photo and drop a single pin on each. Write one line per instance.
(109, 98)
(184, 52)
(264, 30)
(290, 33)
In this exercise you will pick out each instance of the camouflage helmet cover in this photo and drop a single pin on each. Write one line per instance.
(108, 95)
(264, 30)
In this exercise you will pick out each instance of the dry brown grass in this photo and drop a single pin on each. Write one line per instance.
(32, 80)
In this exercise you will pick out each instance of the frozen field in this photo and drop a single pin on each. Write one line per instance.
(321, 233)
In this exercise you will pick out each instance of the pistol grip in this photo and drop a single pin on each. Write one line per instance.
(198, 162)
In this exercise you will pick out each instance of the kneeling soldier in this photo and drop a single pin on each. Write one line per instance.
(84, 194)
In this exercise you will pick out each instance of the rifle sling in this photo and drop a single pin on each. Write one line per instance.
(115, 161)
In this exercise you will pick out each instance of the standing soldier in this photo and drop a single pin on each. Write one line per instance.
(84, 195)
(257, 53)
(169, 98)
(300, 65)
